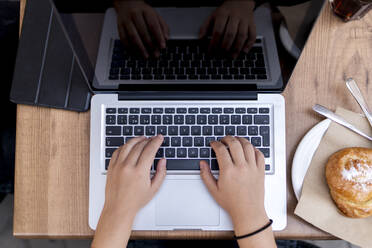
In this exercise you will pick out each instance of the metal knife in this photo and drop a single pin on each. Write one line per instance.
(336, 118)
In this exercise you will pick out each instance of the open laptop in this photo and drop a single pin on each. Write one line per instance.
(191, 98)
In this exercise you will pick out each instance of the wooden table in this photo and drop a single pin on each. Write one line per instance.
(52, 146)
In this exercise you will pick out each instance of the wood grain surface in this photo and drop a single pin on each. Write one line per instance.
(52, 146)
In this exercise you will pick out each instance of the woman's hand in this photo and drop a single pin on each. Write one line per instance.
(129, 187)
(232, 27)
(141, 27)
(240, 186)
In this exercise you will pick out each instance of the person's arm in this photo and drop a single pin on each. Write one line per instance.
(231, 26)
(128, 188)
(240, 189)
(141, 27)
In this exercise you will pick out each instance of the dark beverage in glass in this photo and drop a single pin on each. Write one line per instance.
(351, 9)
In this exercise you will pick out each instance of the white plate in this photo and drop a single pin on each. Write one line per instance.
(304, 154)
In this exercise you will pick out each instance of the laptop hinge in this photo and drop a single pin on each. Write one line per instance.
(187, 92)
(187, 95)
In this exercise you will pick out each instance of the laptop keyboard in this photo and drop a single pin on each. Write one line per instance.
(188, 60)
(188, 131)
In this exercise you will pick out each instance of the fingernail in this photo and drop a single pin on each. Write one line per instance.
(162, 45)
(246, 50)
(160, 136)
(156, 53)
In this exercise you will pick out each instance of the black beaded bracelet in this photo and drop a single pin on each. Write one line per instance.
(255, 232)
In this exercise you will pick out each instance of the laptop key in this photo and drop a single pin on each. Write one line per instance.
(127, 130)
(190, 119)
(181, 110)
(265, 133)
(123, 111)
(160, 153)
(183, 164)
(224, 119)
(235, 119)
(111, 110)
(161, 130)
(176, 141)
(201, 119)
(218, 130)
(205, 110)
(256, 141)
(173, 130)
(178, 119)
(252, 110)
(207, 130)
(212, 119)
(146, 110)
(247, 119)
(139, 130)
(170, 153)
(157, 110)
(133, 119)
(264, 110)
(187, 141)
(214, 164)
(122, 119)
(113, 130)
(170, 110)
(267, 167)
(242, 130)
(216, 110)
(156, 119)
(198, 141)
(150, 130)
(195, 130)
(208, 140)
(107, 163)
(109, 152)
(228, 110)
(134, 110)
(166, 141)
(252, 130)
(262, 119)
(240, 110)
(181, 152)
(193, 111)
(230, 130)
(204, 152)
(193, 152)
(110, 119)
(184, 130)
(265, 151)
(114, 141)
(144, 119)
(167, 119)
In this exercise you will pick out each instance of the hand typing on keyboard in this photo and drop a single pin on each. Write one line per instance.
(240, 188)
(140, 26)
(232, 27)
(128, 188)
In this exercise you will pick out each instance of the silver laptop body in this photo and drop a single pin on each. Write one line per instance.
(183, 202)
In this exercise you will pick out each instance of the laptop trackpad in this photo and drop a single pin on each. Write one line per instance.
(186, 203)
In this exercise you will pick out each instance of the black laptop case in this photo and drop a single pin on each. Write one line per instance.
(48, 72)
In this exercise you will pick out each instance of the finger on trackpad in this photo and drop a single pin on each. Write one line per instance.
(186, 203)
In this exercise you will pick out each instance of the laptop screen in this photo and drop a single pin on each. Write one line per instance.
(119, 57)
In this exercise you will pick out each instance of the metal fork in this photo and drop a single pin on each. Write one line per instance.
(355, 91)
